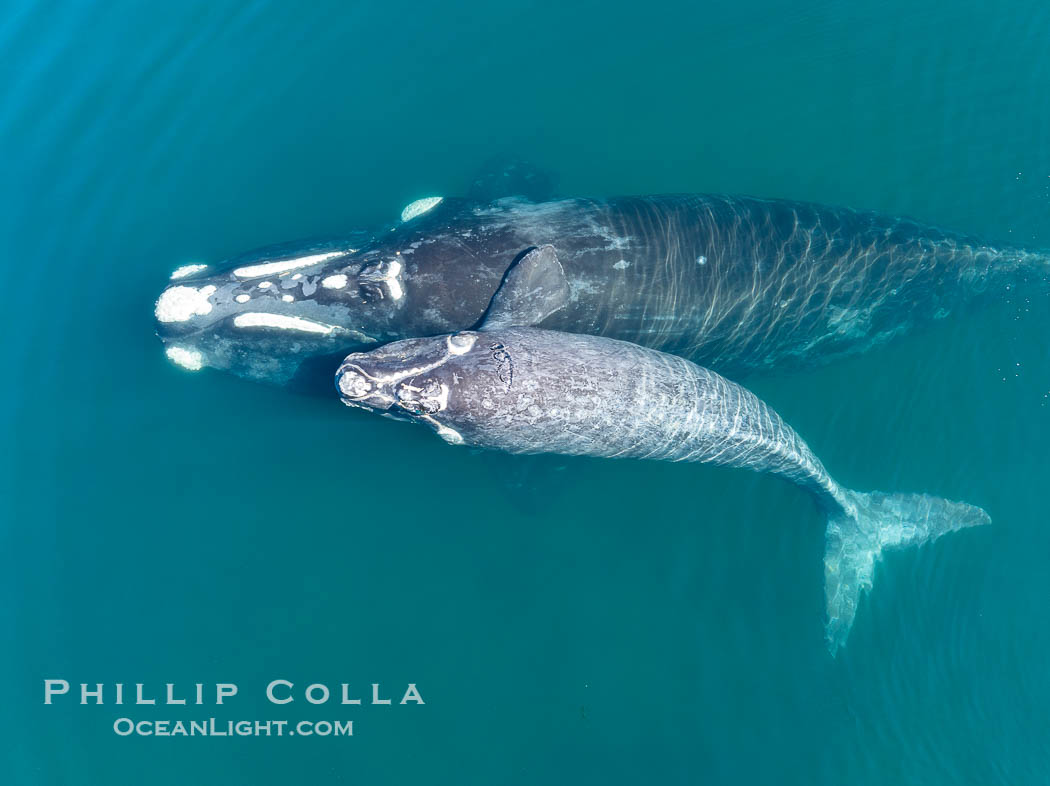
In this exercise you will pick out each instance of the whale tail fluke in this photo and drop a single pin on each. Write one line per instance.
(855, 539)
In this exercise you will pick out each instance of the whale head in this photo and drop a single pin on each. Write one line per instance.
(274, 315)
(265, 315)
(433, 380)
(288, 314)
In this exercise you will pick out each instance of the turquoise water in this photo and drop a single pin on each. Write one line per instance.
(581, 622)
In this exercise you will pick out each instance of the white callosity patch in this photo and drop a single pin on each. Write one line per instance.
(388, 273)
(179, 303)
(265, 284)
(431, 397)
(460, 343)
(243, 298)
(393, 282)
(287, 298)
(186, 270)
(419, 207)
(189, 359)
(337, 281)
(281, 322)
(354, 384)
(284, 265)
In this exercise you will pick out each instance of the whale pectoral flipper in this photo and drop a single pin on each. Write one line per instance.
(870, 523)
(533, 289)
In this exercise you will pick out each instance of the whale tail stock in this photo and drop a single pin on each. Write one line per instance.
(856, 536)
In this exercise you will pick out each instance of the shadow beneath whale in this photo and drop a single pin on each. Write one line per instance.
(506, 175)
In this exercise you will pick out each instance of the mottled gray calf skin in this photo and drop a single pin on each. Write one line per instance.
(529, 390)
(734, 283)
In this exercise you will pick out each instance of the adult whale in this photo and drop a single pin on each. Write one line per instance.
(735, 283)
(528, 390)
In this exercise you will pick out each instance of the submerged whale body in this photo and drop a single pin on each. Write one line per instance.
(734, 283)
(521, 389)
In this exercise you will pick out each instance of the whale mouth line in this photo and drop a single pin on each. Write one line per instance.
(396, 376)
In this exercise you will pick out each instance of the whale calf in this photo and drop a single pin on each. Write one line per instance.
(734, 283)
(522, 389)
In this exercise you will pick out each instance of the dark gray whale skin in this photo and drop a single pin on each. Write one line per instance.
(528, 390)
(736, 283)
